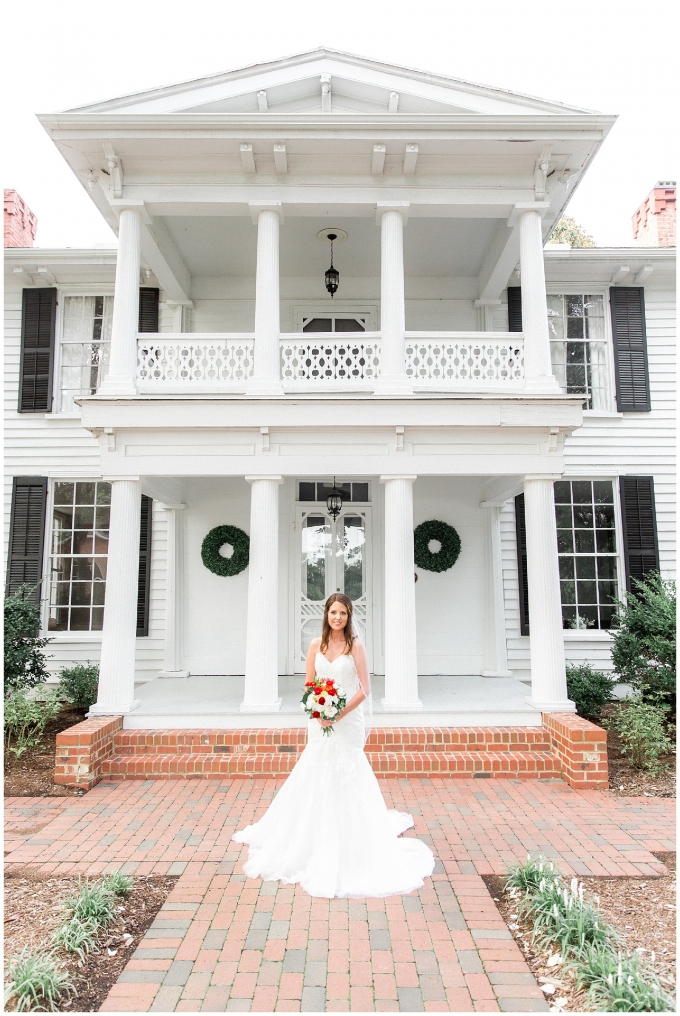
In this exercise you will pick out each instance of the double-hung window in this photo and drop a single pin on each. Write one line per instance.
(578, 346)
(85, 344)
(586, 544)
(80, 541)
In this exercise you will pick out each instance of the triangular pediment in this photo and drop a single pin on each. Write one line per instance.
(328, 81)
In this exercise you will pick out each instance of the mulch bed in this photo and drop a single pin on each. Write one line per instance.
(32, 775)
(642, 911)
(627, 781)
(33, 912)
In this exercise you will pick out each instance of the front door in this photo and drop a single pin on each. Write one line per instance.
(333, 557)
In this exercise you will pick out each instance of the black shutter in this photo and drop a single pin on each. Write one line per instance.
(630, 349)
(38, 319)
(514, 309)
(148, 309)
(522, 575)
(144, 584)
(640, 541)
(27, 534)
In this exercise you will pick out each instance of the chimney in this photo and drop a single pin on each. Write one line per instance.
(654, 221)
(20, 222)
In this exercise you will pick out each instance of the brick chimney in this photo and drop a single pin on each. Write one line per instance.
(20, 222)
(654, 221)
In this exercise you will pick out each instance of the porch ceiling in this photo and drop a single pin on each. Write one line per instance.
(219, 246)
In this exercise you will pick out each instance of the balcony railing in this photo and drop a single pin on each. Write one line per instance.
(434, 361)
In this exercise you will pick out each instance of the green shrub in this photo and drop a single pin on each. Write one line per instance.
(589, 689)
(26, 718)
(36, 980)
(617, 984)
(24, 659)
(79, 684)
(644, 646)
(641, 727)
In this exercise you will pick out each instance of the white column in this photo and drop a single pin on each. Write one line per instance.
(548, 675)
(266, 379)
(120, 379)
(496, 599)
(262, 672)
(537, 365)
(392, 379)
(401, 664)
(172, 654)
(117, 665)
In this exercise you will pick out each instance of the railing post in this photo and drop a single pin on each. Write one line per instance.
(266, 377)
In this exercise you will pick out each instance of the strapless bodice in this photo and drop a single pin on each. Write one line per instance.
(342, 670)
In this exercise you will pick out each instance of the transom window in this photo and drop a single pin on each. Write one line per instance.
(586, 544)
(578, 346)
(334, 324)
(85, 344)
(80, 543)
(314, 490)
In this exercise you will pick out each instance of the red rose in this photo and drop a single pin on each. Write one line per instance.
(315, 716)
(322, 701)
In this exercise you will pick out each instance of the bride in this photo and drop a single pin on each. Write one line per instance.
(328, 827)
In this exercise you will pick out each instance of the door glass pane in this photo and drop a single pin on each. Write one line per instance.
(315, 541)
(348, 325)
(318, 325)
(353, 540)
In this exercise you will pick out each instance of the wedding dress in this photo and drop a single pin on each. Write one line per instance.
(328, 827)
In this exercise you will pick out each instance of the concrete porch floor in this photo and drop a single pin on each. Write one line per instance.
(214, 702)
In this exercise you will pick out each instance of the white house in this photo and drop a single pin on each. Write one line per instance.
(460, 374)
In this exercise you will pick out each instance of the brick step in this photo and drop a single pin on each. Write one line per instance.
(489, 764)
(292, 740)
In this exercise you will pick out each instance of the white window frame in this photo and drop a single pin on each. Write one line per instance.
(346, 309)
(90, 289)
(603, 634)
(45, 632)
(585, 288)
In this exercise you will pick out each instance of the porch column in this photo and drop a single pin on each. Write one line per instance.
(537, 363)
(117, 664)
(266, 377)
(262, 671)
(548, 674)
(393, 379)
(401, 666)
(120, 379)
(496, 625)
(172, 654)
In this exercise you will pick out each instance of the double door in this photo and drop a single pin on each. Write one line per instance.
(333, 556)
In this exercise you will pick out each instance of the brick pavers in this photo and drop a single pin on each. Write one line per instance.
(27, 816)
(226, 943)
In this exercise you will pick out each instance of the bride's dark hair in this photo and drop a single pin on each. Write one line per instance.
(326, 629)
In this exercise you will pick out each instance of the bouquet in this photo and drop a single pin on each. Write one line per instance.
(322, 700)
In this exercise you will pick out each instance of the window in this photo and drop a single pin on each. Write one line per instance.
(346, 323)
(309, 490)
(586, 544)
(578, 346)
(85, 344)
(80, 540)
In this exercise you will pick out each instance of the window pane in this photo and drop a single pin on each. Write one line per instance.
(97, 618)
(562, 492)
(360, 492)
(565, 541)
(82, 569)
(80, 619)
(348, 325)
(81, 593)
(82, 542)
(99, 568)
(606, 541)
(583, 491)
(575, 328)
(98, 591)
(307, 491)
(83, 518)
(585, 567)
(584, 541)
(563, 516)
(574, 306)
(85, 492)
(103, 492)
(568, 592)
(63, 493)
(103, 517)
(587, 592)
(603, 492)
(608, 591)
(583, 517)
(566, 567)
(318, 325)
(604, 516)
(353, 548)
(606, 567)
(315, 544)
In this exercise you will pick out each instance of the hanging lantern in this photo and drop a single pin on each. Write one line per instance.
(332, 274)
(334, 502)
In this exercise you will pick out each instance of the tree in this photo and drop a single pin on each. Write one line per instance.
(569, 231)
(24, 659)
(644, 638)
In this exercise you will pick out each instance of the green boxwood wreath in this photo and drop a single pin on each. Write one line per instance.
(216, 538)
(442, 559)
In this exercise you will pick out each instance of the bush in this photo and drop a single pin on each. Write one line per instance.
(616, 983)
(641, 727)
(36, 981)
(645, 638)
(589, 689)
(79, 684)
(26, 719)
(24, 659)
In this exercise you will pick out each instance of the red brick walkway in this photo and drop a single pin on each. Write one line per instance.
(222, 942)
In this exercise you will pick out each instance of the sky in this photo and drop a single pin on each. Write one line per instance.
(613, 56)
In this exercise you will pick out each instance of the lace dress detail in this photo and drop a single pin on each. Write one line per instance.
(328, 827)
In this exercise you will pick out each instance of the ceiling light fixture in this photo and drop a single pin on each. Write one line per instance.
(332, 275)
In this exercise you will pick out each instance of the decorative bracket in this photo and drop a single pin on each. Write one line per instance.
(115, 170)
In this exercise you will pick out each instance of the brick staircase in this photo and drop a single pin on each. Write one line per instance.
(482, 752)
